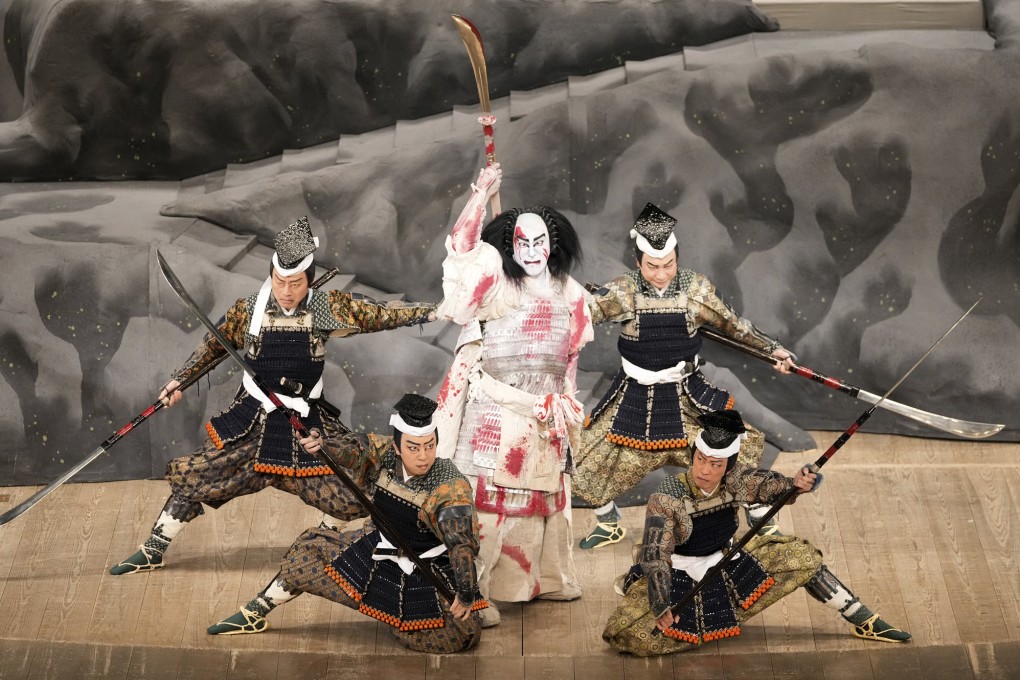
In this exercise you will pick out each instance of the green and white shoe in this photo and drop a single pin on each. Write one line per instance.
(604, 533)
(874, 628)
(243, 622)
(146, 559)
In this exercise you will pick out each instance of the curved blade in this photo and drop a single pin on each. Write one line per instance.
(476, 53)
(182, 293)
(963, 428)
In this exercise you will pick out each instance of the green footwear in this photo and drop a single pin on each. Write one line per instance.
(244, 621)
(146, 559)
(604, 533)
(876, 629)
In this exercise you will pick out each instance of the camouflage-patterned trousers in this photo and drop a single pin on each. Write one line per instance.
(214, 476)
(791, 561)
(304, 569)
(606, 471)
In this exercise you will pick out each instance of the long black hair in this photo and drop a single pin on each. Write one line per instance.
(564, 246)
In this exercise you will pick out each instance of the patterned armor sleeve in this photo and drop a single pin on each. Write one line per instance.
(360, 454)
(613, 301)
(708, 308)
(370, 316)
(667, 523)
(450, 511)
(751, 485)
(209, 349)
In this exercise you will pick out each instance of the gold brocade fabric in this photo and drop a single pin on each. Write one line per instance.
(606, 471)
(791, 561)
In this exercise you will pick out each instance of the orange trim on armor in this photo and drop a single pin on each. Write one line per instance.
(425, 624)
(479, 604)
(342, 582)
(290, 471)
(213, 435)
(729, 404)
(587, 421)
(683, 636)
(724, 633)
(645, 445)
(758, 592)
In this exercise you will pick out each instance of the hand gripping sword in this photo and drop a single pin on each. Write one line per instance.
(962, 428)
(381, 521)
(476, 53)
(793, 491)
(25, 505)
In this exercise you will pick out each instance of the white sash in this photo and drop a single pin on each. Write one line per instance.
(697, 566)
(405, 563)
(673, 374)
(296, 403)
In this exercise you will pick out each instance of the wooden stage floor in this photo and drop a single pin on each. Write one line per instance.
(925, 531)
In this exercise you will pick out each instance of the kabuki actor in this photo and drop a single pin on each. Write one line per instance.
(428, 502)
(689, 523)
(283, 329)
(507, 413)
(646, 419)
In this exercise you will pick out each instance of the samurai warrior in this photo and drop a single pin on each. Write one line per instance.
(283, 329)
(645, 419)
(689, 524)
(506, 409)
(428, 502)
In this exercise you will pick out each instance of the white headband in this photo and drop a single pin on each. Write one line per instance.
(645, 247)
(724, 452)
(402, 426)
(300, 267)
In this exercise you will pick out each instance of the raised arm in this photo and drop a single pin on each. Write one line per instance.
(369, 316)
(209, 349)
(468, 228)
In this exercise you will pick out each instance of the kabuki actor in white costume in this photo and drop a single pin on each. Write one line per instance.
(282, 330)
(507, 415)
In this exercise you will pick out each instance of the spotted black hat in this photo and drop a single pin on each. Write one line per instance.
(723, 431)
(653, 232)
(414, 415)
(294, 247)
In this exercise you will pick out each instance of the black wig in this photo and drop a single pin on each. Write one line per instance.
(564, 246)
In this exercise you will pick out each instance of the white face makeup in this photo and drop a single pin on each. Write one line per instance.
(531, 244)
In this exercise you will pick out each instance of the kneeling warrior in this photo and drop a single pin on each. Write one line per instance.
(644, 420)
(284, 328)
(689, 522)
(428, 502)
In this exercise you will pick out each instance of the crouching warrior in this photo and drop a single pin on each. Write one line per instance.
(428, 502)
(284, 328)
(688, 525)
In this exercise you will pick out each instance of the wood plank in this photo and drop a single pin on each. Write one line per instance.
(16, 657)
(647, 667)
(975, 606)
(853, 664)
(797, 665)
(898, 661)
(203, 664)
(57, 660)
(11, 533)
(548, 667)
(69, 609)
(995, 661)
(303, 665)
(41, 562)
(917, 568)
(996, 494)
(499, 667)
(105, 662)
(945, 663)
(154, 663)
(252, 665)
(751, 666)
(694, 666)
(606, 667)
(547, 629)
(450, 667)
(506, 639)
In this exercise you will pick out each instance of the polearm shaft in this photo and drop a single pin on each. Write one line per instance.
(961, 428)
(25, 505)
(381, 521)
(792, 491)
(476, 53)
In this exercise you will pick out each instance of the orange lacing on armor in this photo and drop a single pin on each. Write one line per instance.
(682, 635)
(724, 633)
(342, 582)
(587, 421)
(479, 604)
(758, 592)
(425, 624)
(290, 471)
(729, 404)
(643, 445)
(213, 435)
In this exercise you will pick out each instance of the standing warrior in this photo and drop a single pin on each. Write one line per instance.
(644, 420)
(251, 445)
(428, 502)
(506, 409)
(689, 523)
